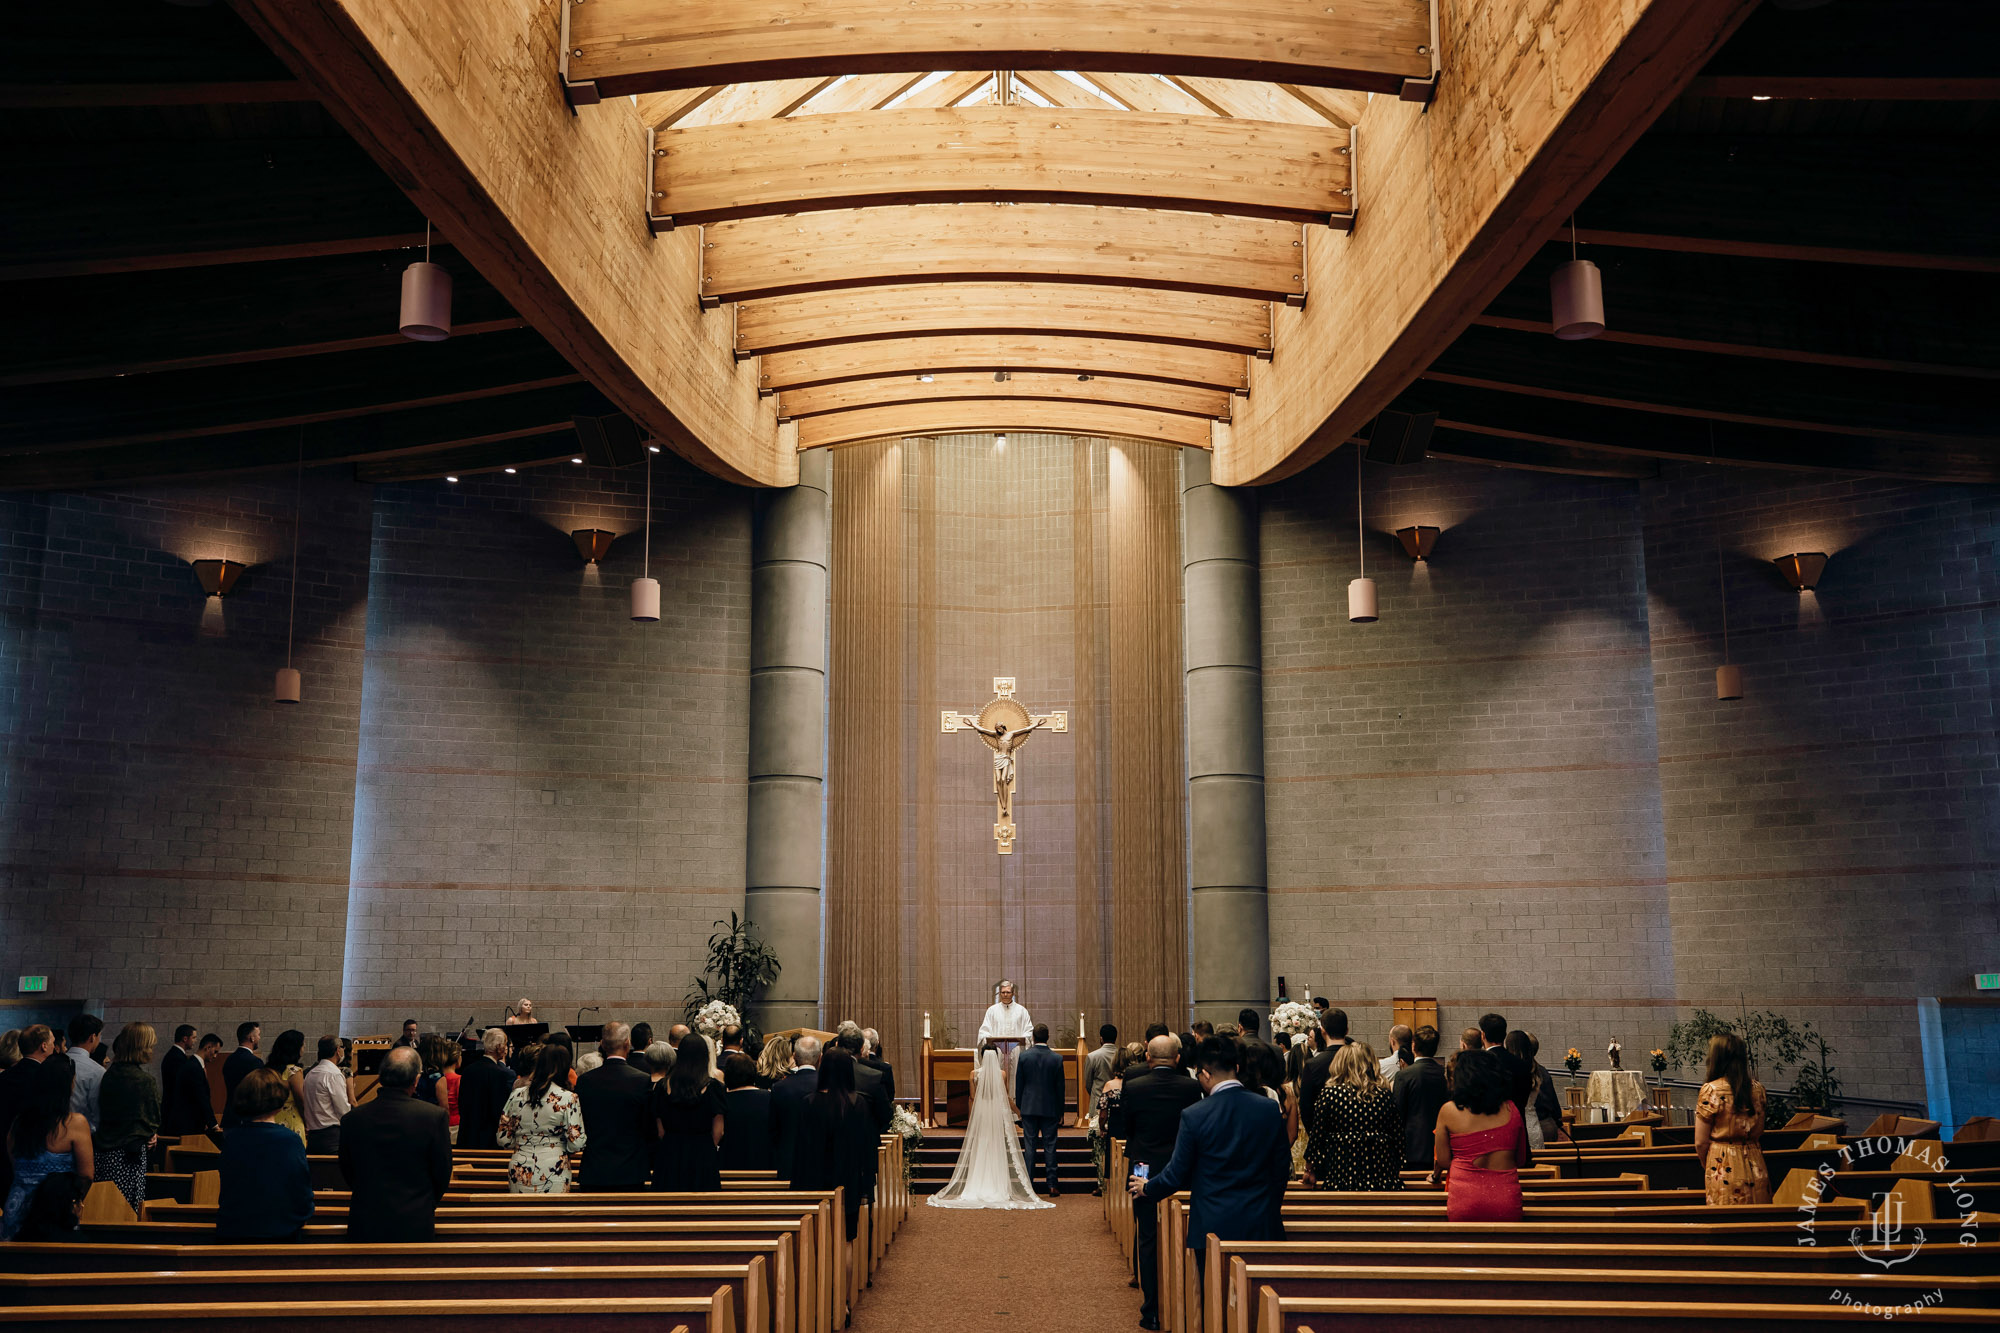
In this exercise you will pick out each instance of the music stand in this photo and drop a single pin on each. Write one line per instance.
(586, 1033)
(524, 1034)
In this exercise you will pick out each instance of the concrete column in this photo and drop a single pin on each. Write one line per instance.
(788, 589)
(1230, 948)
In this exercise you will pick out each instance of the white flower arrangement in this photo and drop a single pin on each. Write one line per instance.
(904, 1122)
(1294, 1020)
(714, 1016)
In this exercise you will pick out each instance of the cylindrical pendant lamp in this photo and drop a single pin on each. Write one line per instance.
(1361, 601)
(426, 315)
(1728, 681)
(286, 688)
(646, 588)
(1576, 293)
(645, 599)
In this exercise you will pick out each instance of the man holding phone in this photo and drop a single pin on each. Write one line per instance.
(1148, 1118)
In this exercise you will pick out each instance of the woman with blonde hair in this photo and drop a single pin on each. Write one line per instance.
(129, 1113)
(775, 1061)
(1359, 1140)
(1728, 1126)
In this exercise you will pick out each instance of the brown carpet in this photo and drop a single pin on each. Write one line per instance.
(1054, 1271)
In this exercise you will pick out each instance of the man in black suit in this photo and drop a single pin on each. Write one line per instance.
(38, 1046)
(875, 1061)
(188, 1107)
(1038, 1091)
(642, 1037)
(395, 1153)
(788, 1103)
(617, 1117)
(240, 1062)
(867, 1081)
(1421, 1090)
(483, 1086)
(1148, 1118)
(177, 1054)
(1520, 1073)
(1333, 1031)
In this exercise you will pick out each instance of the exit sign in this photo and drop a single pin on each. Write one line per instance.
(1986, 980)
(42, 983)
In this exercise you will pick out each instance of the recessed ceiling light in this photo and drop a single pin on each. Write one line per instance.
(510, 472)
(925, 379)
(1000, 441)
(654, 447)
(453, 479)
(1760, 97)
(576, 460)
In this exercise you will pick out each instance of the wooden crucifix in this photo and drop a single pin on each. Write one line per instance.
(1005, 727)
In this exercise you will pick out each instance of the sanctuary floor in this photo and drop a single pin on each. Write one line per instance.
(1051, 1271)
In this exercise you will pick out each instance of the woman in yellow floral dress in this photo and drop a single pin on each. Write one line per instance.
(543, 1123)
(1728, 1124)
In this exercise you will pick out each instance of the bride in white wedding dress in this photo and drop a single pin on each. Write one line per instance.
(991, 1172)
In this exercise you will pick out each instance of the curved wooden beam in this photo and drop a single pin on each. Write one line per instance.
(1003, 414)
(1193, 366)
(614, 47)
(1028, 154)
(958, 386)
(870, 314)
(1253, 258)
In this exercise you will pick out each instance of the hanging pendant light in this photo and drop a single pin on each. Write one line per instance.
(426, 313)
(1360, 592)
(645, 588)
(1576, 294)
(285, 689)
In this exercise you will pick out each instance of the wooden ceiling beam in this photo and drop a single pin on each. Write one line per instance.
(1462, 195)
(952, 89)
(1000, 153)
(180, 319)
(1003, 414)
(614, 47)
(1143, 92)
(661, 110)
(1342, 108)
(1057, 90)
(547, 449)
(821, 319)
(1244, 99)
(753, 101)
(910, 357)
(1831, 399)
(1894, 319)
(1253, 258)
(863, 92)
(1862, 50)
(1151, 396)
(443, 93)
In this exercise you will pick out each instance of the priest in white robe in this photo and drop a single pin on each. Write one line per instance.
(1006, 1019)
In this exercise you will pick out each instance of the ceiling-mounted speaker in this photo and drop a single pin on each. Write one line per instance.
(1401, 437)
(609, 441)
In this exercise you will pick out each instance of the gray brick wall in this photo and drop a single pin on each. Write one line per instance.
(550, 798)
(174, 846)
(1517, 791)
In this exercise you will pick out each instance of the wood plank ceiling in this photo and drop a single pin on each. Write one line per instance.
(1798, 255)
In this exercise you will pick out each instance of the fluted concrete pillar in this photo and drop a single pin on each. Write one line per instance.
(1230, 948)
(783, 862)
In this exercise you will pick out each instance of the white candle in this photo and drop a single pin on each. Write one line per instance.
(927, 1025)
(1079, 1027)
(1309, 993)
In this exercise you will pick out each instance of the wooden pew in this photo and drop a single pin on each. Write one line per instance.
(746, 1284)
(713, 1314)
(1276, 1314)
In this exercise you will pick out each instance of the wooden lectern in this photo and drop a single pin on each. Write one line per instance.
(939, 1069)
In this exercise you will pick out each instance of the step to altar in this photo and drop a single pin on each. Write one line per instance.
(934, 1162)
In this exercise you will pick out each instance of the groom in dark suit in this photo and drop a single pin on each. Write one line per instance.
(1038, 1091)
(1231, 1156)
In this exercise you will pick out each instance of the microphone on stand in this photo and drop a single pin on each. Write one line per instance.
(587, 1009)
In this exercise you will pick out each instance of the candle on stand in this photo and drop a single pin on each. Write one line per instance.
(1308, 993)
(1079, 1026)
(927, 1025)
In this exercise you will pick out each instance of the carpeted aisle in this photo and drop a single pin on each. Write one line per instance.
(1054, 1271)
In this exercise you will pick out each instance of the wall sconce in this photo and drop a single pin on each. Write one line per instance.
(1418, 541)
(593, 544)
(1802, 570)
(218, 576)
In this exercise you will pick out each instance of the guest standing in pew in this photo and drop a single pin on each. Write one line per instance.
(746, 1118)
(1729, 1126)
(1420, 1090)
(395, 1153)
(1544, 1115)
(177, 1054)
(873, 1060)
(328, 1097)
(1359, 1143)
(788, 1104)
(868, 1082)
(617, 1103)
(54, 1209)
(543, 1124)
(1480, 1135)
(46, 1137)
(1333, 1036)
(775, 1062)
(287, 1061)
(129, 1101)
(1520, 1073)
(267, 1191)
(241, 1061)
(1400, 1053)
(190, 1106)
(85, 1039)
(687, 1115)
(1145, 1108)
(838, 1142)
(1231, 1157)
(483, 1090)
(659, 1059)
(642, 1037)
(10, 1049)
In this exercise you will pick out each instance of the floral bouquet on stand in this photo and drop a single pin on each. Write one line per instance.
(1659, 1061)
(1574, 1060)
(1294, 1020)
(903, 1122)
(711, 1018)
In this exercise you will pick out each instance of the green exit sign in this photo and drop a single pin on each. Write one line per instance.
(1986, 980)
(42, 983)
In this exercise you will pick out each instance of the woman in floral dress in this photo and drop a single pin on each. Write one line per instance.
(1728, 1124)
(543, 1124)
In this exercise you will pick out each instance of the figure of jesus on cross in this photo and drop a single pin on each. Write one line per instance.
(1005, 727)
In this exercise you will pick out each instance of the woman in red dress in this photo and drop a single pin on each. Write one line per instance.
(1479, 1132)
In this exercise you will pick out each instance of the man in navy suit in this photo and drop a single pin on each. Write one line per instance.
(788, 1105)
(1231, 1156)
(1038, 1091)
